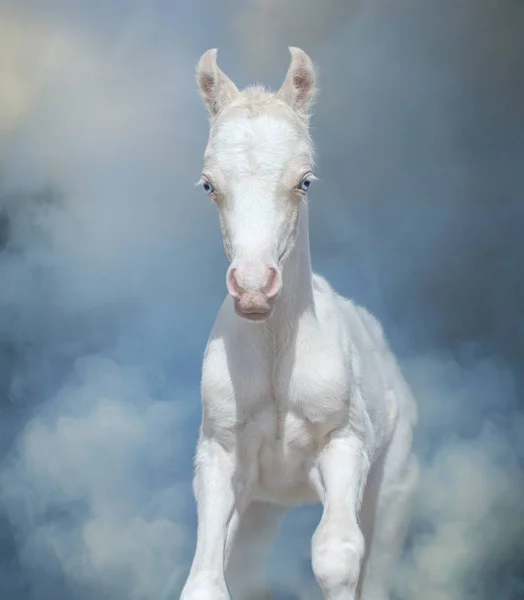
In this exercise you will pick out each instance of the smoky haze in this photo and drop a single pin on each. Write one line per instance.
(111, 273)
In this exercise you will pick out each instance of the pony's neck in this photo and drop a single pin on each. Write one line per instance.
(296, 297)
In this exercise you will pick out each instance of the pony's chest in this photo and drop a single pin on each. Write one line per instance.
(301, 398)
(314, 388)
(303, 408)
(286, 450)
(292, 400)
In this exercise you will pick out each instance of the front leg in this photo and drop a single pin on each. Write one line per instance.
(221, 498)
(338, 543)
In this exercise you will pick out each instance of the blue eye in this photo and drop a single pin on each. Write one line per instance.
(305, 184)
(208, 188)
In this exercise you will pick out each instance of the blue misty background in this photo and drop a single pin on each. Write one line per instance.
(111, 271)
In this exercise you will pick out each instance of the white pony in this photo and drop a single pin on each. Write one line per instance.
(302, 400)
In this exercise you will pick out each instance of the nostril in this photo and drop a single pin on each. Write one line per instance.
(273, 285)
(232, 285)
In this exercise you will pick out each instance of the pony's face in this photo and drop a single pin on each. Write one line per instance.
(258, 169)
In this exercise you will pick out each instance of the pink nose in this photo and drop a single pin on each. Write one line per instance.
(252, 299)
(238, 287)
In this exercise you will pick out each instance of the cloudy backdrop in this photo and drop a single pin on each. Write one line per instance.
(111, 272)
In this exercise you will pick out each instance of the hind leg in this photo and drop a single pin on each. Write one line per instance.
(248, 551)
(385, 518)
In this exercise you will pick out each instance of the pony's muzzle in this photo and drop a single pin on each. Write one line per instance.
(254, 289)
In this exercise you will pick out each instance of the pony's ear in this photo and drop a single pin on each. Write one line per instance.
(299, 88)
(216, 89)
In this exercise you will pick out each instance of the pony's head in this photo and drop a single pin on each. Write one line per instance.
(258, 167)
